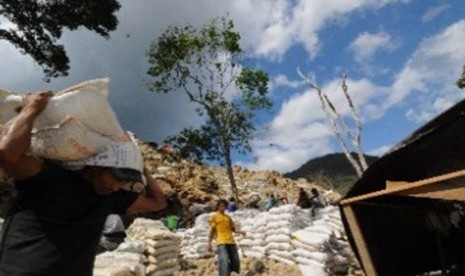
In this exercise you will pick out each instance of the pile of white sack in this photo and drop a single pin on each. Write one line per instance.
(1, 226)
(253, 222)
(321, 247)
(288, 234)
(194, 241)
(127, 260)
(161, 246)
(149, 249)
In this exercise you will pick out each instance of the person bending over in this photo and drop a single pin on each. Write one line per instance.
(55, 224)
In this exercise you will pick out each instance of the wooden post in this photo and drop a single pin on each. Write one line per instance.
(359, 241)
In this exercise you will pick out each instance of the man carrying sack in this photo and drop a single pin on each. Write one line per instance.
(54, 225)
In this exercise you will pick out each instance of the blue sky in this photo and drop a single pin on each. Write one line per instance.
(402, 58)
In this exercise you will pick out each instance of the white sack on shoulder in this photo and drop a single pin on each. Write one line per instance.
(86, 101)
(77, 123)
(71, 140)
(121, 153)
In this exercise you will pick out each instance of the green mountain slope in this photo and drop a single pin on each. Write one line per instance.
(333, 170)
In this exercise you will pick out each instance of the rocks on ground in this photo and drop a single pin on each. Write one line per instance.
(249, 267)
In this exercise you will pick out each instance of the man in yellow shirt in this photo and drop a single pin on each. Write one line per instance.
(223, 227)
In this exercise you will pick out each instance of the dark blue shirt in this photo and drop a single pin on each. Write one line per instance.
(231, 207)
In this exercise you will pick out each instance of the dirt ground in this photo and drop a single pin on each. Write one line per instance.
(207, 267)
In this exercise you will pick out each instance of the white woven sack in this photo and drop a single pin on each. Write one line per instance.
(131, 246)
(253, 254)
(68, 141)
(282, 254)
(121, 153)
(282, 260)
(162, 257)
(161, 250)
(165, 272)
(116, 267)
(283, 246)
(169, 263)
(320, 257)
(298, 244)
(249, 242)
(161, 243)
(77, 123)
(122, 256)
(310, 238)
(116, 271)
(10, 104)
(86, 101)
(312, 269)
(259, 249)
(278, 238)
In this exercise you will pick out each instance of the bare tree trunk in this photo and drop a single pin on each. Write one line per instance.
(229, 169)
(334, 118)
(356, 141)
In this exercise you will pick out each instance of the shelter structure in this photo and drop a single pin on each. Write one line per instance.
(406, 214)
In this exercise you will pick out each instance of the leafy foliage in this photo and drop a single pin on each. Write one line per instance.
(205, 65)
(39, 24)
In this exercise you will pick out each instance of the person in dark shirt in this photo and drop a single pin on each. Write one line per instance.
(303, 200)
(56, 221)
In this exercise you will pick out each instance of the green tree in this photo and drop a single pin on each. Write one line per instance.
(204, 64)
(40, 23)
(461, 80)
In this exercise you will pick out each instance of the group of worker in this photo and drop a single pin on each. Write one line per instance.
(56, 223)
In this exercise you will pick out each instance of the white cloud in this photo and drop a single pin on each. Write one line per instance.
(300, 130)
(432, 71)
(434, 12)
(273, 26)
(283, 81)
(367, 44)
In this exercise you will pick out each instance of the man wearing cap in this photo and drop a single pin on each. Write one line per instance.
(55, 224)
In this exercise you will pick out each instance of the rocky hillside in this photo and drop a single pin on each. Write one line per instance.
(199, 183)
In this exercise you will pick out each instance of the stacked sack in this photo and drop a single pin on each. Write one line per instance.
(281, 222)
(1, 226)
(253, 222)
(161, 246)
(319, 247)
(287, 234)
(126, 260)
(194, 241)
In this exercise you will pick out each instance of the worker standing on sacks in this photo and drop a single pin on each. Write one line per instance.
(56, 221)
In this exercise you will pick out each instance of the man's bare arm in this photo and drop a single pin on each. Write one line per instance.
(211, 234)
(15, 138)
(154, 200)
(237, 231)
